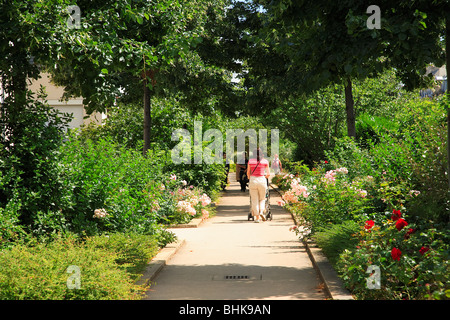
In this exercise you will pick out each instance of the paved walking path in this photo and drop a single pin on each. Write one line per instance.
(270, 260)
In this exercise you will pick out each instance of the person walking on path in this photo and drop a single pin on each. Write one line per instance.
(227, 171)
(259, 173)
(241, 168)
(276, 165)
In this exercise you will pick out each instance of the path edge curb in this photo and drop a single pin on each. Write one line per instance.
(194, 223)
(333, 285)
(154, 267)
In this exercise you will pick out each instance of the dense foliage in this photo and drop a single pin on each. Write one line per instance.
(102, 197)
(381, 200)
(96, 188)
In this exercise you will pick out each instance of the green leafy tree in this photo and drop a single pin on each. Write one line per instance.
(415, 34)
(31, 131)
(322, 42)
(109, 49)
(122, 46)
(302, 46)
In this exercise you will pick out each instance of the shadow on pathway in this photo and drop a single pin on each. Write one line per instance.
(228, 257)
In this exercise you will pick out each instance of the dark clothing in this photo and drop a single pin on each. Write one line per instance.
(243, 179)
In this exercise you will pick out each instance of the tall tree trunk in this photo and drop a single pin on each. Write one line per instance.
(147, 117)
(350, 108)
(447, 66)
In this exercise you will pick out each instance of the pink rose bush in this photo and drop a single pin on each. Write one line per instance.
(318, 197)
(176, 201)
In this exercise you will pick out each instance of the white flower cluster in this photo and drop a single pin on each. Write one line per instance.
(100, 213)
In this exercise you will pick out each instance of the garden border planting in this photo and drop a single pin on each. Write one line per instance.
(159, 261)
(333, 285)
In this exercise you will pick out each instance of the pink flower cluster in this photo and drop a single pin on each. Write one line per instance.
(205, 200)
(299, 189)
(193, 200)
(290, 197)
(362, 193)
(205, 213)
(330, 176)
(186, 207)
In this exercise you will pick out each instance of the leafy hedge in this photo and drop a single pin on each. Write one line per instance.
(135, 192)
(109, 266)
(103, 175)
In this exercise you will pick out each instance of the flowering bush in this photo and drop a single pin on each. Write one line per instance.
(178, 202)
(114, 189)
(319, 198)
(410, 252)
(402, 167)
(412, 257)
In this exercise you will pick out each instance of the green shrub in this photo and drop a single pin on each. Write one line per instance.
(126, 187)
(134, 251)
(103, 175)
(370, 128)
(208, 176)
(348, 154)
(109, 266)
(40, 272)
(31, 134)
(335, 238)
(10, 228)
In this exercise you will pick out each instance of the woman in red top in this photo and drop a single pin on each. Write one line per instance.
(258, 172)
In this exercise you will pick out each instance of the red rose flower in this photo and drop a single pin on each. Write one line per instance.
(396, 254)
(396, 214)
(369, 224)
(423, 250)
(409, 232)
(400, 224)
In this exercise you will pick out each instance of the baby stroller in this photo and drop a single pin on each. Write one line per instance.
(268, 214)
